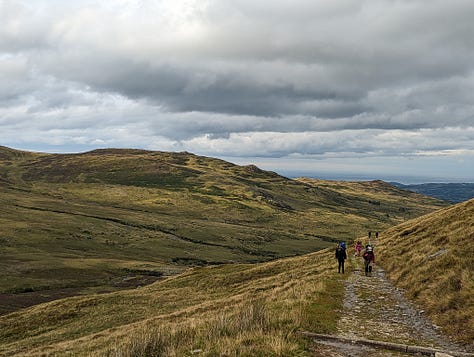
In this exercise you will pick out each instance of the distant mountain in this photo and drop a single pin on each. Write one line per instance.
(452, 192)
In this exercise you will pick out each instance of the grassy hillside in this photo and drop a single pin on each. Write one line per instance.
(111, 219)
(431, 258)
(254, 309)
(379, 200)
(238, 309)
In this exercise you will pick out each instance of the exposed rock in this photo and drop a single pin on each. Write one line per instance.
(374, 309)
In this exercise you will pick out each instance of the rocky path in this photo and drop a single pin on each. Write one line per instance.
(374, 309)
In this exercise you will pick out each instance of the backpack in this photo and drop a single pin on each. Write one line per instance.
(368, 255)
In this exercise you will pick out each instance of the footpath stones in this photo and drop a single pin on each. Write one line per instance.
(374, 309)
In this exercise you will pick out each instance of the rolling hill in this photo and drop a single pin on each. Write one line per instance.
(254, 309)
(111, 219)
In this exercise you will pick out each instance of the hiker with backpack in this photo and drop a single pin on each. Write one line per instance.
(341, 256)
(369, 259)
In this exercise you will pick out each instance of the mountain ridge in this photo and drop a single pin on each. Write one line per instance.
(452, 192)
(97, 221)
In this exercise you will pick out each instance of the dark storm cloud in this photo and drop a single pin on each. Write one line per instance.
(240, 89)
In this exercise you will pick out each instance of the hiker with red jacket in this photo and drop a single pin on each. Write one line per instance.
(369, 259)
(340, 256)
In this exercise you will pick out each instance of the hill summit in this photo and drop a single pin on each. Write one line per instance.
(115, 218)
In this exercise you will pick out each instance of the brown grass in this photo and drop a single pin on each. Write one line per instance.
(223, 310)
(249, 331)
(89, 221)
(432, 259)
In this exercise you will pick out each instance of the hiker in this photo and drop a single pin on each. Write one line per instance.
(358, 248)
(340, 256)
(369, 259)
(343, 245)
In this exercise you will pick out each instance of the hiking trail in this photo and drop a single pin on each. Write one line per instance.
(373, 309)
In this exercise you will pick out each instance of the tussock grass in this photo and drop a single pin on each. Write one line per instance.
(248, 331)
(221, 310)
(432, 259)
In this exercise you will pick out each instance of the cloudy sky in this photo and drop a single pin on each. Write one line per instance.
(380, 88)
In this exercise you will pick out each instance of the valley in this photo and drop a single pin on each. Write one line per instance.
(119, 252)
(94, 221)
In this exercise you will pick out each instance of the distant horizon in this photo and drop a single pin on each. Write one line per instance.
(271, 164)
(333, 169)
(405, 180)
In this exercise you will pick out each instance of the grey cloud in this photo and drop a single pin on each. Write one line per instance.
(254, 61)
(346, 143)
(216, 71)
(241, 89)
(23, 28)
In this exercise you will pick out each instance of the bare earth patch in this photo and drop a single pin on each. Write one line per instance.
(11, 302)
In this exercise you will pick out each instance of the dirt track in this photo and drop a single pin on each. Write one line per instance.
(374, 309)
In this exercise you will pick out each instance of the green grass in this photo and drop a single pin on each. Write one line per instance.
(59, 213)
(325, 310)
(90, 222)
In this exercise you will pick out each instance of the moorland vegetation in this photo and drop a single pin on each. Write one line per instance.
(111, 219)
(221, 257)
(431, 259)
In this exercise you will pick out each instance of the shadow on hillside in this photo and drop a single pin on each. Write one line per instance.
(11, 302)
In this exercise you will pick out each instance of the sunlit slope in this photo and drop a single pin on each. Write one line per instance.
(377, 198)
(81, 221)
(237, 309)
(432, 258)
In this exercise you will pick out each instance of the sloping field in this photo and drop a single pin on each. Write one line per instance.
(93, 222)
(432, 259)
(111, 219)
(248, 310)
(254, 309)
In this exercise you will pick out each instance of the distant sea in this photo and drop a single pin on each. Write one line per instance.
(407, 180)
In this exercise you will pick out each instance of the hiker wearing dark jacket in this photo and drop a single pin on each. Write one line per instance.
(369, 259)
(340, 256)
